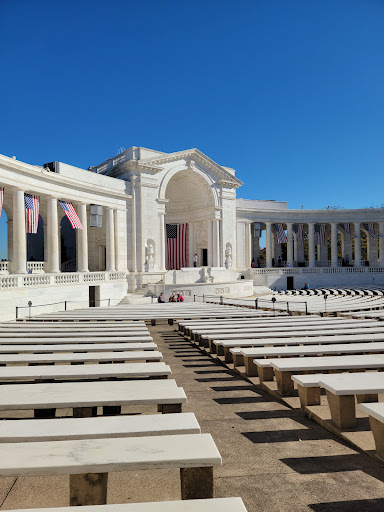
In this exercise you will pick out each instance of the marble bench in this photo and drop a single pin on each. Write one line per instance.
(146, 354)
(341, 390)
(376, 421)
(246, 355)
(78, 341)
(225, 346)
(84, 397)
(207, 505)
(285, 367)
(88, 462)
(85, 372)
(72, 347)
(64, 429)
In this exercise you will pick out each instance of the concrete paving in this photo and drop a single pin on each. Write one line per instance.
(273, 457)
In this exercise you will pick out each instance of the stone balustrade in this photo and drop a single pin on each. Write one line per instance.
(41, 280)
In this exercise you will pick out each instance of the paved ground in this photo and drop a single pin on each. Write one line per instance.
(273, 457)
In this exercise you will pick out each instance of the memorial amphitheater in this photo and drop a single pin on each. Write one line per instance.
(125, 206)
(261, 392)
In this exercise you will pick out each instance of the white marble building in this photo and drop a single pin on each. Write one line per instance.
(134, 195)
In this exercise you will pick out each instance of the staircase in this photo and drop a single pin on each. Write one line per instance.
(135, 298)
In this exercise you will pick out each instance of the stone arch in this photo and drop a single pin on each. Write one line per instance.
(35, 243)
(205, 179)
(68, 242)
(4, 248)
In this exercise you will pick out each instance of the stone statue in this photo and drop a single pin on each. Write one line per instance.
(149, 257)
(228, 257)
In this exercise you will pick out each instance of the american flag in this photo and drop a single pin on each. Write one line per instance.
(1, 199)
(320, 233)
(71, 214)
(32, 206)
(281, 236)
(347, 229)
(177, 246)
(370, 229)
(299, 230)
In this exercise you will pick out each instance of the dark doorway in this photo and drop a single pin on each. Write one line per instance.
(204, 257)
(290, 283)
(92, 296)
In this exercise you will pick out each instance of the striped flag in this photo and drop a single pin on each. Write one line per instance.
(299, 230)
(281, 236)
(32, 206)
(1, 199)
(320, 233)
(71, 214)
(370, 229)
(177, 246)
(347, 229)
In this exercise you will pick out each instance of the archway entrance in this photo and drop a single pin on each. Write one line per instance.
(189, 218)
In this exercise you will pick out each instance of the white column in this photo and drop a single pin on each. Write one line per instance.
(133, 224)
(357, 257)
(334, 258)
(110, 240)
(311, 245)
(162, 242)
(82, 240)
(381, 244)
(19, 252)
(268, 244)
(53, 254)
(210, 243)
(289, 244)
(216, 243)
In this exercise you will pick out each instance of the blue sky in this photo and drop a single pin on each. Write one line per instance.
(287, 92)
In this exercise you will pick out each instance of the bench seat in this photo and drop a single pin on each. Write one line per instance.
(341, 390)
(305, 350)
(57, 333)
(88, 462)
(147, 354)
(64, 429)
(285, 367)
(71, 347)
(208, 505)
(83, 396)
(144, 338)
(84, 372)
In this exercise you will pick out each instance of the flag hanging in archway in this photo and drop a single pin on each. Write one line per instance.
(32, 207)
(177, 246)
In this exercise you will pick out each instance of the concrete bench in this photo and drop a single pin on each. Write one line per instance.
(83, 397)
(64, 429)
(285, 367)
(71, 347)
(207, 505)
(90, 357)
(376, 421)
(248, 354)
(85, 372)
(341, 390)
(89, 461)
(69, 339)
(222, 347)
(94, 333)
(308, 387)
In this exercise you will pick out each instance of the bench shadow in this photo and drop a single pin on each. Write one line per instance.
(284, 436)
(332, 464)
(250, 387)
(239, 400)
(264, 415)
(221, 379)
(372, 505)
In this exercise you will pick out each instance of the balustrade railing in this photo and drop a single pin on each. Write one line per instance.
(4, 267)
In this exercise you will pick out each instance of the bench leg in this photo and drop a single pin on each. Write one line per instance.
(377, 428)
(227, 355)
(196, 483)
(238, 360)
(343, 412)
(169, 408)
(84, 412)
(372, 397)
(251, 369)
(88, 489)
(153, 322)
(44, 413)
(111, 410)
(309, 396)
(265, 374)
(285, 385)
